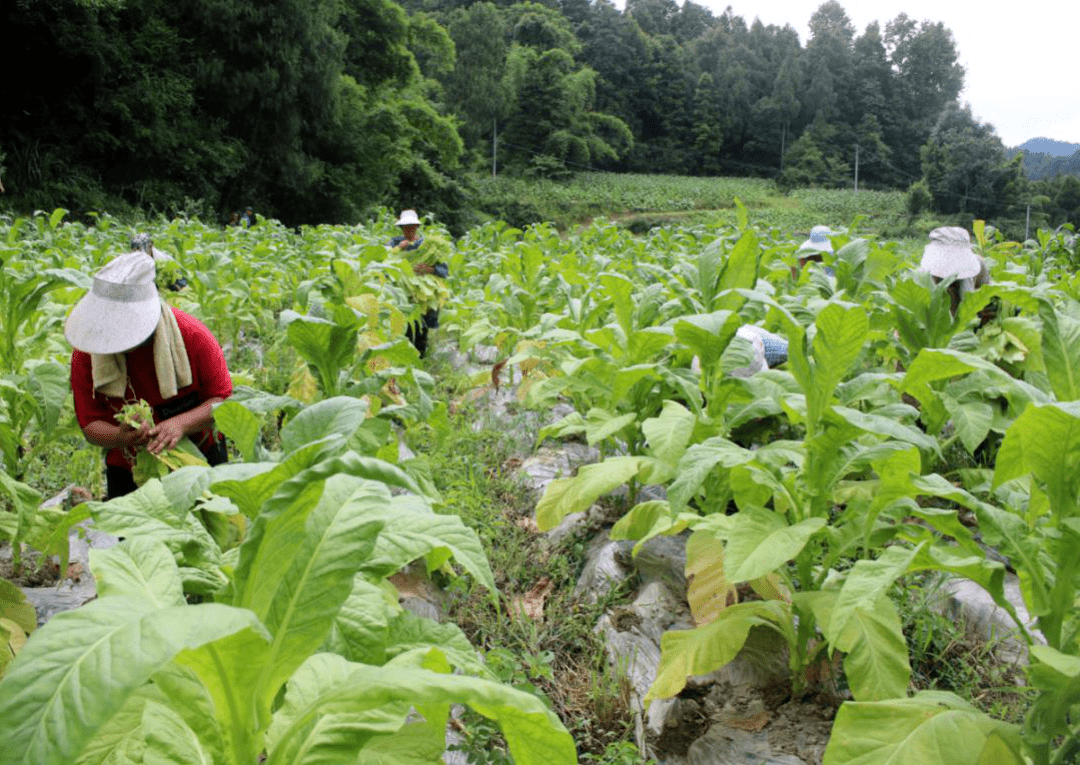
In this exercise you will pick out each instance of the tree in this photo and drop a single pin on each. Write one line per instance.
(655, 17)
(614, 46)
(828, 62)
(708, 127)
(478, 89)
(927, 78)
(551, 131)
(965, 167)
(664, 111)
(692, 21)
(874, 155)
(814, 160)
(123, 126)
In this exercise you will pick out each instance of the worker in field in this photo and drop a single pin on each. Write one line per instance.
(810, 251)
(949, 255)
(130, 346)
(768, 350)
(425, 293)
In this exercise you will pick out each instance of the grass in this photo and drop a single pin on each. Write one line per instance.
(945, 656)
(557, 657)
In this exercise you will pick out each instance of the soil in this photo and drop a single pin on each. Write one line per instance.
(799, 728)
(31, 572)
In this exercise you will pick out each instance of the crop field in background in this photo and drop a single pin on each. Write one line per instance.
(248, 614)
(640, 201)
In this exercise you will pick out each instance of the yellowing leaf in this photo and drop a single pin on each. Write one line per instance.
(768, 587)
(701, 650)
(366, 304)
(367, 340)
(303, 386)
(707, 590)
(16, 635)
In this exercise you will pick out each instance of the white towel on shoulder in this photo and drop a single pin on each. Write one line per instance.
(109, 370)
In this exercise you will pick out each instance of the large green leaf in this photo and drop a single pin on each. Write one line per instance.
(761, 541)
(707, 335)
(149, 513)
(339, 707)
(699, 651)
(142, 567)
(24, 500)
(1056, 675)
(49, 384)
(214, 688)
(972, 420)
(407, 536)
(644, 345)
(13, 606)
(297, 564)
(698, 462)
(934, 364)
(1045, 441)
(341, 415)
(564, 496)
(362, 624)
(741, 266)
(250, 485)
(620, 290)
(327, 346)
(932, 728)
(841, 336)
(81, 667)
(645, 521)
(889, 427)
(709, 266)
(866, 582)
(169, 740)
(410, 633)
(1061, 353)
(876, 664)
(120, 740)
(601, 424)
(240, 426)
(669, 433)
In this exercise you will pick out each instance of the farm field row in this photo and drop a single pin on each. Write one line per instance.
(249, 605)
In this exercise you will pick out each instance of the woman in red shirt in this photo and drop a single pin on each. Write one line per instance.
(129, 345)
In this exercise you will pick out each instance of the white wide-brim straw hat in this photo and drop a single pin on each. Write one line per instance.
(408, 218)
(121, 310)
(819, 240)
(949, 253)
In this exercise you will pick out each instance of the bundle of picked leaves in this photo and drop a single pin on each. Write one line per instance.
(426, 290)
(149, 465)
(432, 250)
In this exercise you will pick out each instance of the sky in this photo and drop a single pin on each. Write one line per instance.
(1020, 58)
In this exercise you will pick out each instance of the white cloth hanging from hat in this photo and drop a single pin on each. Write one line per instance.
(171, 363)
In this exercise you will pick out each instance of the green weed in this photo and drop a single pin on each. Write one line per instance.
(945, 656)
(558, 657)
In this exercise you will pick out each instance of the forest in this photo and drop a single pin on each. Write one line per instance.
(323, 110)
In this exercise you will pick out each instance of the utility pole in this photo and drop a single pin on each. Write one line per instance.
(1027, 223)
(783, 135)
(856, 168)
(494, 144)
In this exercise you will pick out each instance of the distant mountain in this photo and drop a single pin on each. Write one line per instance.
(1049, 146)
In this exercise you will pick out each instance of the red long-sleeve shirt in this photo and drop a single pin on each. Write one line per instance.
(209, 379)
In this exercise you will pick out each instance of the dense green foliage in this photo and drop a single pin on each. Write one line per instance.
(323, 110)
(247, 613)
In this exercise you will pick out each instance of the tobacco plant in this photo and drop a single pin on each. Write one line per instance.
(295, 652)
